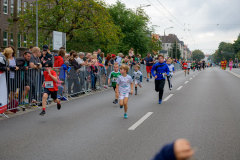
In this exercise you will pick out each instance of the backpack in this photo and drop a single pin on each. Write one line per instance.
(12, 106)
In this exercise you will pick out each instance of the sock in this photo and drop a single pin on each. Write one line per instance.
(58, 102)
(136, 89)
(44, 109)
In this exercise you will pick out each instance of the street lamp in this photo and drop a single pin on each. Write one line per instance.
(164, 37)
(141, 6)
(36, 23)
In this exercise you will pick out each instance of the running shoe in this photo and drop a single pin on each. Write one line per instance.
(58, 106)
(150, 77)
(125, 115)
(114, 102)
(136, 93)
(147, 80)
(160, 101)
(121, 107)
(42, 113)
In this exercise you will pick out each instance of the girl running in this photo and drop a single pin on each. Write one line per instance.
(193, 66)
(185, 66)
(124, 83)
(172, 70)
(230, 64)
(137, 75)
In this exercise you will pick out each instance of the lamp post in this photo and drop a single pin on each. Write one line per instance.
(36, 23)
(141, 6)
(164, 38)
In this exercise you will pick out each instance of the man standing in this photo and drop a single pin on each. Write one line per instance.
(35, 64)
(162, 71)
(149, 63)
(23, 64)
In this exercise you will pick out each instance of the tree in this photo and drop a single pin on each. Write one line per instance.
(155, 44)
(87, 24)
(133, 26)
(173, 51)
(236, 47)
(198, 55)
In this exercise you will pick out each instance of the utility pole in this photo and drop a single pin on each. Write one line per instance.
(176, 50)
(15, 26)
(36, 23)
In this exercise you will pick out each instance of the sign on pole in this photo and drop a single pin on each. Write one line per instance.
(59, 40)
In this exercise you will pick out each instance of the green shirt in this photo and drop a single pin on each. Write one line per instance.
(114, 76)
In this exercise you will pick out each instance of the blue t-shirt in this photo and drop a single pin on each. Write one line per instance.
(161, 69)
(150, 59)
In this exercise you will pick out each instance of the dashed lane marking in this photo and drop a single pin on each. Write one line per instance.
(186, 82)
(134, 126)
(190, 79)
(167, 98)
(179, 88)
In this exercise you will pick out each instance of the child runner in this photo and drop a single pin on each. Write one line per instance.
(230, 64)
(160, 68)
(172, 70)
(114, 76)
(50, 87)
(189, 66)
(138, 77)
(193, 66)
(124, 83)
(185, 66)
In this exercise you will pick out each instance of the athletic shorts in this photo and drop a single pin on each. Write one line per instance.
(184, 68)
(148, 68)
(189, 68)
(123, 95)
(114, 88)
(138, 82)
(53, 94)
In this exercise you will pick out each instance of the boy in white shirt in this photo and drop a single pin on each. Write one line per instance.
(189, 66)
(124, 83)
(172, 70)
(137, 75)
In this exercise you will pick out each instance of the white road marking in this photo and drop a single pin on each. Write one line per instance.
(194, 76)
(186, 82)
(190, 79)
(134, 126)
(167, 97)
(179, 88)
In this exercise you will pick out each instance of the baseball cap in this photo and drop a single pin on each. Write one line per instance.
(45, 47)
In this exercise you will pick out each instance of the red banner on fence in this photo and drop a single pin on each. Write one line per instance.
(3, 92)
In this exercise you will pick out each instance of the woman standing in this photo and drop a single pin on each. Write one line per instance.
(131, 52)
(230, 64)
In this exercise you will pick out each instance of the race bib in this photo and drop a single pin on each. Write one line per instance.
(114, 79)
(185, 65)
(48, 84)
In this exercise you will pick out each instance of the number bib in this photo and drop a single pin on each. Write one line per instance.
(48, 84)
(114, 79)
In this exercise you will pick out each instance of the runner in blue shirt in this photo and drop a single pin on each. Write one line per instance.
(161, 70)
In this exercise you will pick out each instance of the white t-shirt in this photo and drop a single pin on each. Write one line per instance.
(80, 61)
(171, 68)
(124, 84)
(137, 74)
(188, 65)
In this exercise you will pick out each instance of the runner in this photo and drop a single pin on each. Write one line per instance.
(224, 64)
(185, 66)
(138, 77)
(172, 70)
(124, 83)
(230, 64)
(114, 76)
(203, 64)
(189, 66)
(160, 68)
(193, 66)
(50, 87)
(149, 63)
(199, 66)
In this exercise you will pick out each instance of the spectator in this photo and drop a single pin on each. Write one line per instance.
(59, 84)
(30, 48)
(126, 60)
(119, 59)
(4, 65)
(101, 58)
(35, 64)
(24, 77)
(131, 52)
(81, 70)
(99, 51)
(107, 60)
(59, 60)
(93, 72)
(113, 59)
(62, 48)
(149, 63)
(73, 78)
(46, 56)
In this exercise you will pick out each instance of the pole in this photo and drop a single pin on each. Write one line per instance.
(176, 50)
(36, 23)
(15, 27)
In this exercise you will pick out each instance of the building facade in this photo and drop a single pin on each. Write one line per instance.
(6, 10)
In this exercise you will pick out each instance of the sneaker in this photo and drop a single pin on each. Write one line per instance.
(125, 115)
(147, 80)
(150, 77)
(23, 103)
(58, 106)
(160, 101)
(170, 89)
(121, 107)
(136, 93)
(114, 102)
(42, 113)
(64, 99)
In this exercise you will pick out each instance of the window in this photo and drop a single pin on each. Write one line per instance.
(5, 38)
(12, 6)
(19, 40)
(5, 6)
(25, 41)
(12, 39)
(19, 6)
(24, 5)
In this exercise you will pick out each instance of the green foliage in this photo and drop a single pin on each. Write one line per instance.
(133, 26)
(173, 50)
(236, 47)
(155, 45)
(87, 24)
(225, 51)
(198, 55)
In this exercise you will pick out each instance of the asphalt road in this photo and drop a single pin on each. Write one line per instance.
(206, 111)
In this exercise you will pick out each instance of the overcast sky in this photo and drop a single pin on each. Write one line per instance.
(206, 22)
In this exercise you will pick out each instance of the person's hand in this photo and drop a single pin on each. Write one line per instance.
(155, 77)
(8, 69)
(26, 68)
(173, 71)
(43, 84)
(131, 92)
(17, 68)
(48, 70)
(165, 74)
(182, 149)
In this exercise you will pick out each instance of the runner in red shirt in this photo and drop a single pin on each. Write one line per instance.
(185, 65)
(50, 87)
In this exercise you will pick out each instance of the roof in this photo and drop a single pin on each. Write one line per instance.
(169, 39)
